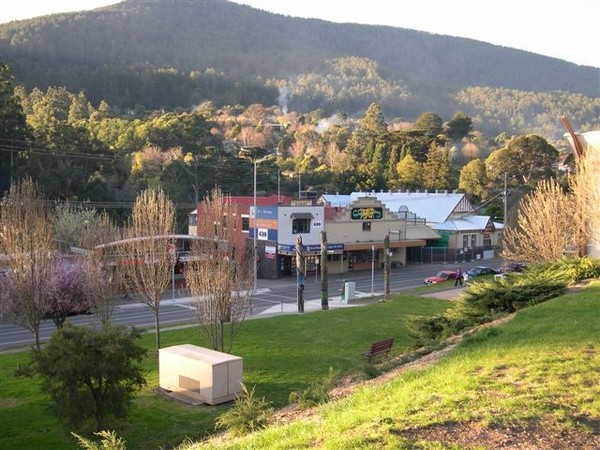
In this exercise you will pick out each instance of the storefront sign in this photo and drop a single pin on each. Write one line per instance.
(369, 213)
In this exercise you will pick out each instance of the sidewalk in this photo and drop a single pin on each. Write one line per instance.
(335, 302)
(449, 294)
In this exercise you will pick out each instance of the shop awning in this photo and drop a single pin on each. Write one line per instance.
(302, 215)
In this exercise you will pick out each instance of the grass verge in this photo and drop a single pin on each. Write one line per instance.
(540, 371)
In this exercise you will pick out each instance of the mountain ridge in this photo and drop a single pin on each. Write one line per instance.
(250, 45)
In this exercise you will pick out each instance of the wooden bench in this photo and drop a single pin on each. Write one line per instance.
(377, 348)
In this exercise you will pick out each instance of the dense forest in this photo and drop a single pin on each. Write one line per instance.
(81, 152)
(173, 55)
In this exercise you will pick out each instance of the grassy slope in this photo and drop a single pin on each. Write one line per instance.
(540, 368)
(281, 354)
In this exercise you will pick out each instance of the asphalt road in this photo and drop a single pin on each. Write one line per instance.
(272, 297)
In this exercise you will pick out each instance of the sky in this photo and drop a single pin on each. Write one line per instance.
(564, 29)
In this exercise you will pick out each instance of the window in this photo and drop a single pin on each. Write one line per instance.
(245, 224)
(487, 241)
(366, 226)
(300, 226)
(473, 240)
(465, 241)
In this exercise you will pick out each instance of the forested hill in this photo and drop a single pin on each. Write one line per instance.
(173, 53)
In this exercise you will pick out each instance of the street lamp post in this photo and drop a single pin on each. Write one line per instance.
(255, 231)
(252, 153)
(372, 269)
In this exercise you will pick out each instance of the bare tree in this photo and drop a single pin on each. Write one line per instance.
(145, 260)
(218, 274)
(545, 228)
(102, 279)
(26, 239)
(585, 187)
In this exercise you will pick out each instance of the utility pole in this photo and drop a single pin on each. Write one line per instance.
(386, 266)
(324, 280)
(300, 274)
(505, 220)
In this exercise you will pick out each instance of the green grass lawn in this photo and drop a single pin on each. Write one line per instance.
(281, 354)
(542, 368)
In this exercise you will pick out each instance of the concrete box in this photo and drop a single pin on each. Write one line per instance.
(200, 373)
(349, 289)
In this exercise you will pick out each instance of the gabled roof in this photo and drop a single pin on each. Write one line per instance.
(434, 207)
(468, 223)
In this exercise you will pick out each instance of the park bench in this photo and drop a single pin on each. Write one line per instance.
(377, 348)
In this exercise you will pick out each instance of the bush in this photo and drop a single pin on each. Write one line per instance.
(316, 393)
(109, 441)
(486, 299)
(427, 329)
(91, 373)
(248, 414)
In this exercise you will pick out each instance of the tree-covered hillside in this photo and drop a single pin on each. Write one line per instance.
(175, 54)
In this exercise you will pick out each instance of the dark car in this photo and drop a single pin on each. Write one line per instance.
(441, 276)
(478, 271)
(512, 267)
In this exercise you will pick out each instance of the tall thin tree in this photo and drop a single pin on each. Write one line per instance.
(144, 255)
(27, 240)
(219, 275)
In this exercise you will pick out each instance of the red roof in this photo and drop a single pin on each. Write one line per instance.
(244, 202)
(332, 211)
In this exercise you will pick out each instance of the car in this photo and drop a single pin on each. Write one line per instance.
(478, 271)
(441, 276)
(512, 267)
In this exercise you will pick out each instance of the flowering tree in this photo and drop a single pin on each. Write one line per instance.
(65, 292)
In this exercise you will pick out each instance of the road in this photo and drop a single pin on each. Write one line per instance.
(272, 297)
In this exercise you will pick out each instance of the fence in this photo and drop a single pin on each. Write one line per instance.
(441, 255)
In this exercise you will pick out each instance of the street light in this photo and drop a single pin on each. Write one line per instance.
(256, 155)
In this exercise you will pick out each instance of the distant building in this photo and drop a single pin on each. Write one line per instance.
(463, 234)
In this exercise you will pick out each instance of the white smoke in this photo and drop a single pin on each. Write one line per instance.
(325, 123)
(284, 95)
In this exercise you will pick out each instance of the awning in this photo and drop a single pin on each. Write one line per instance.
(302, 215)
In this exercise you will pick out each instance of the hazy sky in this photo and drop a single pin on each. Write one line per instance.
(564, 29)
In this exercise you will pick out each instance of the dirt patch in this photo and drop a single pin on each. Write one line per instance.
(472, 436)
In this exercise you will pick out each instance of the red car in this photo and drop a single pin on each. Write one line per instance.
(441, 276)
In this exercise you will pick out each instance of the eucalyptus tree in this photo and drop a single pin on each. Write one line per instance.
(524, 159)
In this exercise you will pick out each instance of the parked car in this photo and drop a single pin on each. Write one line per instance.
(478, 271)
(441, 276)
(512, 267)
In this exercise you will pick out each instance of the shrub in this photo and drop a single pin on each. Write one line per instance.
(316, 393)
(109, 441)
(248, 414)
(91, 373)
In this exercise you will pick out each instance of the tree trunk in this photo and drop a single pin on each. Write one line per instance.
(157, 326)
